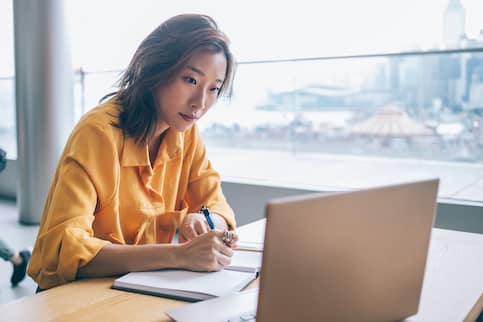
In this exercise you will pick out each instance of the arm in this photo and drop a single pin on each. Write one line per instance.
(204, 189)
(115, 259)
(204, 253)
(82, 184)
(66, 246)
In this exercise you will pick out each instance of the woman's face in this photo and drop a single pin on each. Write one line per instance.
(192, 91)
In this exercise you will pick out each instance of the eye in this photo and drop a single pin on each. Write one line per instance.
(190, 80)
(215, 90)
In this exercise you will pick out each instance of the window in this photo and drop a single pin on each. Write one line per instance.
(317, 102)
(8, 135)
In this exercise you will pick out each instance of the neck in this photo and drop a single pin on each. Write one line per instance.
(161, 127)
(154, 144)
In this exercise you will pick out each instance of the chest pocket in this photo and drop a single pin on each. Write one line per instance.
(151, 225)
(146, 216)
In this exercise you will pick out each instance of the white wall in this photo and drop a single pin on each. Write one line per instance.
(249, 200)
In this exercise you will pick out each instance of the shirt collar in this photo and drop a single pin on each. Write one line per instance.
(136, 155)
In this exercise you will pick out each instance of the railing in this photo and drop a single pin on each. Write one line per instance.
(420, 104)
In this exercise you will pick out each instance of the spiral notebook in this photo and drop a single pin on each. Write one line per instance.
(194, 286)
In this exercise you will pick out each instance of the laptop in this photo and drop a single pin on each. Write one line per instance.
(349, 256)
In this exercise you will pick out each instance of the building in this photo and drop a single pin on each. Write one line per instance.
(454, 24)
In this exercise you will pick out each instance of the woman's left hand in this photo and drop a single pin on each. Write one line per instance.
(195, 224)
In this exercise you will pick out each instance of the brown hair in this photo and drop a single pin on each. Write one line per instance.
(159, 57)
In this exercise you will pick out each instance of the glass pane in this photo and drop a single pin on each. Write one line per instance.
(272, 29)
(8, 131)
(389, 118)
(90, 87)
(246, 121)
(313, 122)
(8, 134)
(419, 106)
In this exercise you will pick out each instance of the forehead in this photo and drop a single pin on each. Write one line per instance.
(211, 64)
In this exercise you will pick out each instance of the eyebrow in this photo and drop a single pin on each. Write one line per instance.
(198, 71)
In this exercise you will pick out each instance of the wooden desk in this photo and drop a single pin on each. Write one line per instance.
(90, 300)
(453, 281)
(452, 290)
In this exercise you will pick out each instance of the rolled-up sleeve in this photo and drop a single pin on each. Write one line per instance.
(83, 183)
(204, 186)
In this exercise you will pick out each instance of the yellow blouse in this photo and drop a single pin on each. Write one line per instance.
(105, 190)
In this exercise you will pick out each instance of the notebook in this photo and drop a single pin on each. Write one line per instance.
(246, 261)
(194, 286)
(251, 237)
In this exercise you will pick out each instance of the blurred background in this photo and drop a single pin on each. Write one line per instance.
(328, 96)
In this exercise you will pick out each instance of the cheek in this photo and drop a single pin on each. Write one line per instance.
(162, 100)
(207, 108)
(210, 102)
(205, 111)
(166, 106)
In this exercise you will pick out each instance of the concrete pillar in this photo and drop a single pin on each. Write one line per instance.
(44, 99)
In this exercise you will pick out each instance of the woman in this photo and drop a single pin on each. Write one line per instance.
(135, 169)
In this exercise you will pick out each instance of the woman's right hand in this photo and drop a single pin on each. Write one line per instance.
(206, 252)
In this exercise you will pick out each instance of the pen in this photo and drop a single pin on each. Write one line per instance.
(205, 211)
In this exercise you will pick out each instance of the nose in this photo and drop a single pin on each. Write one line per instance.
(198, 102)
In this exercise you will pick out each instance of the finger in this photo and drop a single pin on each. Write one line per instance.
(215, 263)
(224, 260)
(223, 249)
(232, 238)
(219, 234)
(201, 227)
(189, 232)
(181, 238)
(229, 237)
(217, 267)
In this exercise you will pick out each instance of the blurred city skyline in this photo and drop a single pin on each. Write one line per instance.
(408, 108)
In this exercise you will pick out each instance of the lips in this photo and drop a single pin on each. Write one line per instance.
(188, 117)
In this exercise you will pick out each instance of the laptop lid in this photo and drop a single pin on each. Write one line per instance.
(351, 256)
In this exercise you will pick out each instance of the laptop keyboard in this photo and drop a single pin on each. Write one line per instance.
(245, 317)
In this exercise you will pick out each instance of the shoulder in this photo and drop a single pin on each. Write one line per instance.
(97, 127)
(101, 118)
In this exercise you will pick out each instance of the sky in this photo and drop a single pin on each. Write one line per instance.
(104, 34)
